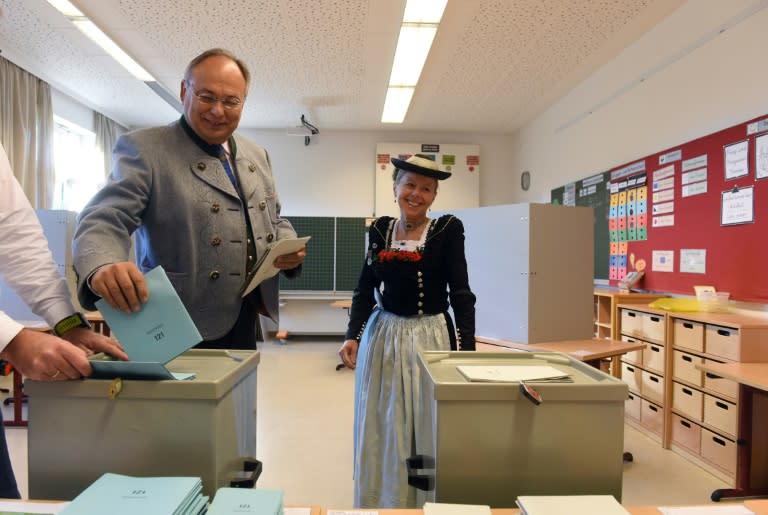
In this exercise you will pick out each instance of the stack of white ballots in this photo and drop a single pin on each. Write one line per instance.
(116, 494)
(231, 501)
(570, 504)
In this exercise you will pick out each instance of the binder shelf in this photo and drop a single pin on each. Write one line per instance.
(204, 427)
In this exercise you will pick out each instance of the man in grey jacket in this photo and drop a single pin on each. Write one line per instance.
(202, 203)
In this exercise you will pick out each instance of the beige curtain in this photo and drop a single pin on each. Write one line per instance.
(26, 131)
(107, 132)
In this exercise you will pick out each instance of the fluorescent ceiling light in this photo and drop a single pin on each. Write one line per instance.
(412, 50)
(396, 104)
(417, 33)
(66, 8)
(424, 11)
(88, 28)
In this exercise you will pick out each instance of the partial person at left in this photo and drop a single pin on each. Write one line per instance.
(28, 267)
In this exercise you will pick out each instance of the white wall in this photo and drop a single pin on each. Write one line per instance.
(71, 110)
(334, 175)
(720, 82)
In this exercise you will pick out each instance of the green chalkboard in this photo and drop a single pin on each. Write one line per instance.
(592, 192)
(350, 251)
(334, 254)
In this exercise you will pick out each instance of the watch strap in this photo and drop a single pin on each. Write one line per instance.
(71, 322)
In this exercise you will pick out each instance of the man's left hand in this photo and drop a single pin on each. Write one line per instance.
(92, 342)
(290, 261)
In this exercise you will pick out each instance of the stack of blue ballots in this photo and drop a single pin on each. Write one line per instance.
(115, 494)
(229, 501)
(160, 331)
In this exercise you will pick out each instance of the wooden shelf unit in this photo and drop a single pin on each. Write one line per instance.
(703, 421)
(645, 370)
(692, 413)
(606, 309)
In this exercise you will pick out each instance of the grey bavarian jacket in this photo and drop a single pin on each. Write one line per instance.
(174, 197)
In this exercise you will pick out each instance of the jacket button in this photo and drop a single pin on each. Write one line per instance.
(270, 238)
(251, 167)
(262, 205)
(216, 241)
(214, 275)
(215, 208)
(201, 166)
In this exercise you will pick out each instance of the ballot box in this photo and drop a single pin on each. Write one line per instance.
(203, 427)
(488, 442)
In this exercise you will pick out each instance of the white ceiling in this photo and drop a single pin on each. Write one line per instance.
(494, 64)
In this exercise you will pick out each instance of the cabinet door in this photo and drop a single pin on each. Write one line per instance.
(688, 401)
(685, 368)
(654, 357)
(689, 335)
(723, 342)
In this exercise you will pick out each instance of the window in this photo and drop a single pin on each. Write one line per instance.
(78, 165)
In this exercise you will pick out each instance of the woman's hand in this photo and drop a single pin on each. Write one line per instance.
(348, 353)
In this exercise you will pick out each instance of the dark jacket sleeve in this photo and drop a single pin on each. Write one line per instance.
(363, 298)
(460, 295)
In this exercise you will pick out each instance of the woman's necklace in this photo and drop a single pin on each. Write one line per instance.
(410, 226)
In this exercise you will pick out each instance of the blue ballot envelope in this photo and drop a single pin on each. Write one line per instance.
(160, 331)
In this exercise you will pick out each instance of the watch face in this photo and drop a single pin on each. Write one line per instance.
(525, 180)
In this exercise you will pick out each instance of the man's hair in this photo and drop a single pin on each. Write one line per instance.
(222, 52)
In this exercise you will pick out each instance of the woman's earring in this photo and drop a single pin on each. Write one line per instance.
(394, 200)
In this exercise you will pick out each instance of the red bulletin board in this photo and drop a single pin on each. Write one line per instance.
(736, 255)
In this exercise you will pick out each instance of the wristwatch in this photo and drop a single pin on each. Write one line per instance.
(74, 320)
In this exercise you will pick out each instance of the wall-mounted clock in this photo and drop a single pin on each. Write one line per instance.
(525, 180)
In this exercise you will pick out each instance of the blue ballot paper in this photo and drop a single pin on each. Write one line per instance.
(116, 494)
(161, 330)
(138, 370)
(229, 501)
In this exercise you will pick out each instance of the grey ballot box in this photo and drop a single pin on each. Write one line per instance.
(204, 427)
(486, 443)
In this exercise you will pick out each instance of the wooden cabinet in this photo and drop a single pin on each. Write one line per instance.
(606, 309)
(534, 283)
(645, 371)
(704, 409)
(693, 413)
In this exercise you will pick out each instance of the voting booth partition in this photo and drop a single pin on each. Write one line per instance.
(203, 427)
(487, 443)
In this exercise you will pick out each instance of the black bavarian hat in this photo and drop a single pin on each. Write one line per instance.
(420, 164)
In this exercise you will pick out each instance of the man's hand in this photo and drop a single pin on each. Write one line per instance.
(92, 342)
(290, 261)
(44, 357)
(122, 285)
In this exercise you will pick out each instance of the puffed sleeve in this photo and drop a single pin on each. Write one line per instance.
(461, 297)
(363, 298)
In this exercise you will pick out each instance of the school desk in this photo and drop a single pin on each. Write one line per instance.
(752, 441)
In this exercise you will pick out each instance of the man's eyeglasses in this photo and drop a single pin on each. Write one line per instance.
(227, 102)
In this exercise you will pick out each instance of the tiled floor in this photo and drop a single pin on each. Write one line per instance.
(305, 430)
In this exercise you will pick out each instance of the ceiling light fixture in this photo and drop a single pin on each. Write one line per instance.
(420, 22)
(88, 28)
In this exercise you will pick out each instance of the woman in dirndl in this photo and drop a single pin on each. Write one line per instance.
(415, 269)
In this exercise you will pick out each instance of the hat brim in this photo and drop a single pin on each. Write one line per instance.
(410, 167)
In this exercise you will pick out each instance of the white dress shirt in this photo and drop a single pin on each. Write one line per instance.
(26, 263)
